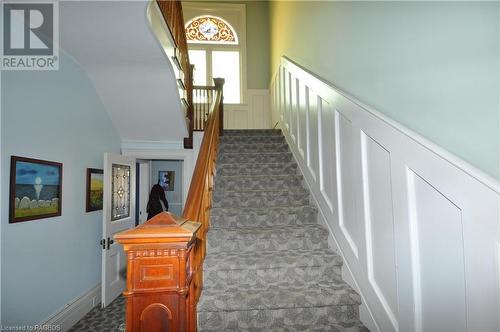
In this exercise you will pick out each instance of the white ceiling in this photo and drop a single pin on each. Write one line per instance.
(114, 44)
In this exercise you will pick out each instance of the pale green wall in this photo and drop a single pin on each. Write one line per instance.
(257, 44)
(434, 67)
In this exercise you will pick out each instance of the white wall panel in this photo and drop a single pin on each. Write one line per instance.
(327, 160)
(379, 223)
(293, 108)
(418, 227)
(312, 135)
(254, 115)
(440, 248)
(348, 221)
(303, 95)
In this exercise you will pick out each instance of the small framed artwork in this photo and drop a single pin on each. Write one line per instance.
(166, 179)
(35, 189)
(94, 192)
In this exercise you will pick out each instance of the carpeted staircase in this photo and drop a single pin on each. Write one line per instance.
(268, 266)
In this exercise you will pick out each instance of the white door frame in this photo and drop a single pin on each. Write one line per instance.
(113, 275)
(144, 188)
(186, 155)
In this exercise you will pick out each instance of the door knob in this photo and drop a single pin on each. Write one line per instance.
(110, 242)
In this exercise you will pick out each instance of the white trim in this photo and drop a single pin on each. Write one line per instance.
(188, 156)
(151, 145)
(75, 310)
(194, 9)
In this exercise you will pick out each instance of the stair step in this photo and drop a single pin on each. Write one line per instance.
(252, 139)
(310, 237)
(250, 279)
(271, 259)
(253, 147)
(254, 157)
(257, 169)
(258, 182)
(342, 318)
(252, 132)
(282, 295)
(258, 198)
(258, 217)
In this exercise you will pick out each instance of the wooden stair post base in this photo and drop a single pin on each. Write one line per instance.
(161, 267)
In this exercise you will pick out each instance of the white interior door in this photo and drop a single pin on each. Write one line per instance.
(118, 215)
(144, 188)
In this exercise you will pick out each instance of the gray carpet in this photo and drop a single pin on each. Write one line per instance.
(268, 266)
(109, 319)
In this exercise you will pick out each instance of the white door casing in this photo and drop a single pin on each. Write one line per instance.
(144, 187)
(113, 257)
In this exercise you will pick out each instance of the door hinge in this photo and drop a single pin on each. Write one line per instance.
(103, 244)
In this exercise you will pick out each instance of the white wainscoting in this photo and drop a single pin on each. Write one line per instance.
(253, 115)
(418, 228)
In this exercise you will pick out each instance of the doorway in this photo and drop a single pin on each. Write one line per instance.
(165, 172)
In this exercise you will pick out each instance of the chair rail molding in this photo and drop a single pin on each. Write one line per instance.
(418, 227)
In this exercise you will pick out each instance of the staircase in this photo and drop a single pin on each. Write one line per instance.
(268, 266)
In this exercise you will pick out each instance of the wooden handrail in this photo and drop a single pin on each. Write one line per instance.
(199, 197)
(171, 11)
(165, 254)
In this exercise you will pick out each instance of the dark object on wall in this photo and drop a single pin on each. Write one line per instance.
(35, 189)
(94, 191)
(166, 179)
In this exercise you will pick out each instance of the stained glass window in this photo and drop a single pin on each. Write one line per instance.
(210, 29)
(120, 186)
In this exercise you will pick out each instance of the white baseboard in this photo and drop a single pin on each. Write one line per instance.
(75, 310)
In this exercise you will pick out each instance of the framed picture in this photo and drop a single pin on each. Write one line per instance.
(35, 189)
(94, 192)
(166, 179)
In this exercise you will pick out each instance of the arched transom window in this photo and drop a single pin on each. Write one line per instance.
(214, 50)
(210, 29)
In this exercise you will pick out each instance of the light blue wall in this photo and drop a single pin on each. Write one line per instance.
(432, 66)
(54, 116)
(174, 198)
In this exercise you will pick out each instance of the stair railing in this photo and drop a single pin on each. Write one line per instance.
(203, 97)
(172, 14)
(165, 254)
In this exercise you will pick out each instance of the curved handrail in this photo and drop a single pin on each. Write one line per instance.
(172, 14)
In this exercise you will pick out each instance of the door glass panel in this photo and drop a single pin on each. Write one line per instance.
(198, 58)
(226, 64)
(120, 191)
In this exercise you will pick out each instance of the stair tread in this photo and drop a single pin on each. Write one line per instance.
(259, 209)
(302, 231)
(271, 259)
(284, 295)
(259, 176)
(244, 192)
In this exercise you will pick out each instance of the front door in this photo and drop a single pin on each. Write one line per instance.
(118, 215)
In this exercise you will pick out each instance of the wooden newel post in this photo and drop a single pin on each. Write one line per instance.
(219, 85)
(160, 293)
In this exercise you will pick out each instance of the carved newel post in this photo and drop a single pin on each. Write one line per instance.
(160, 268)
